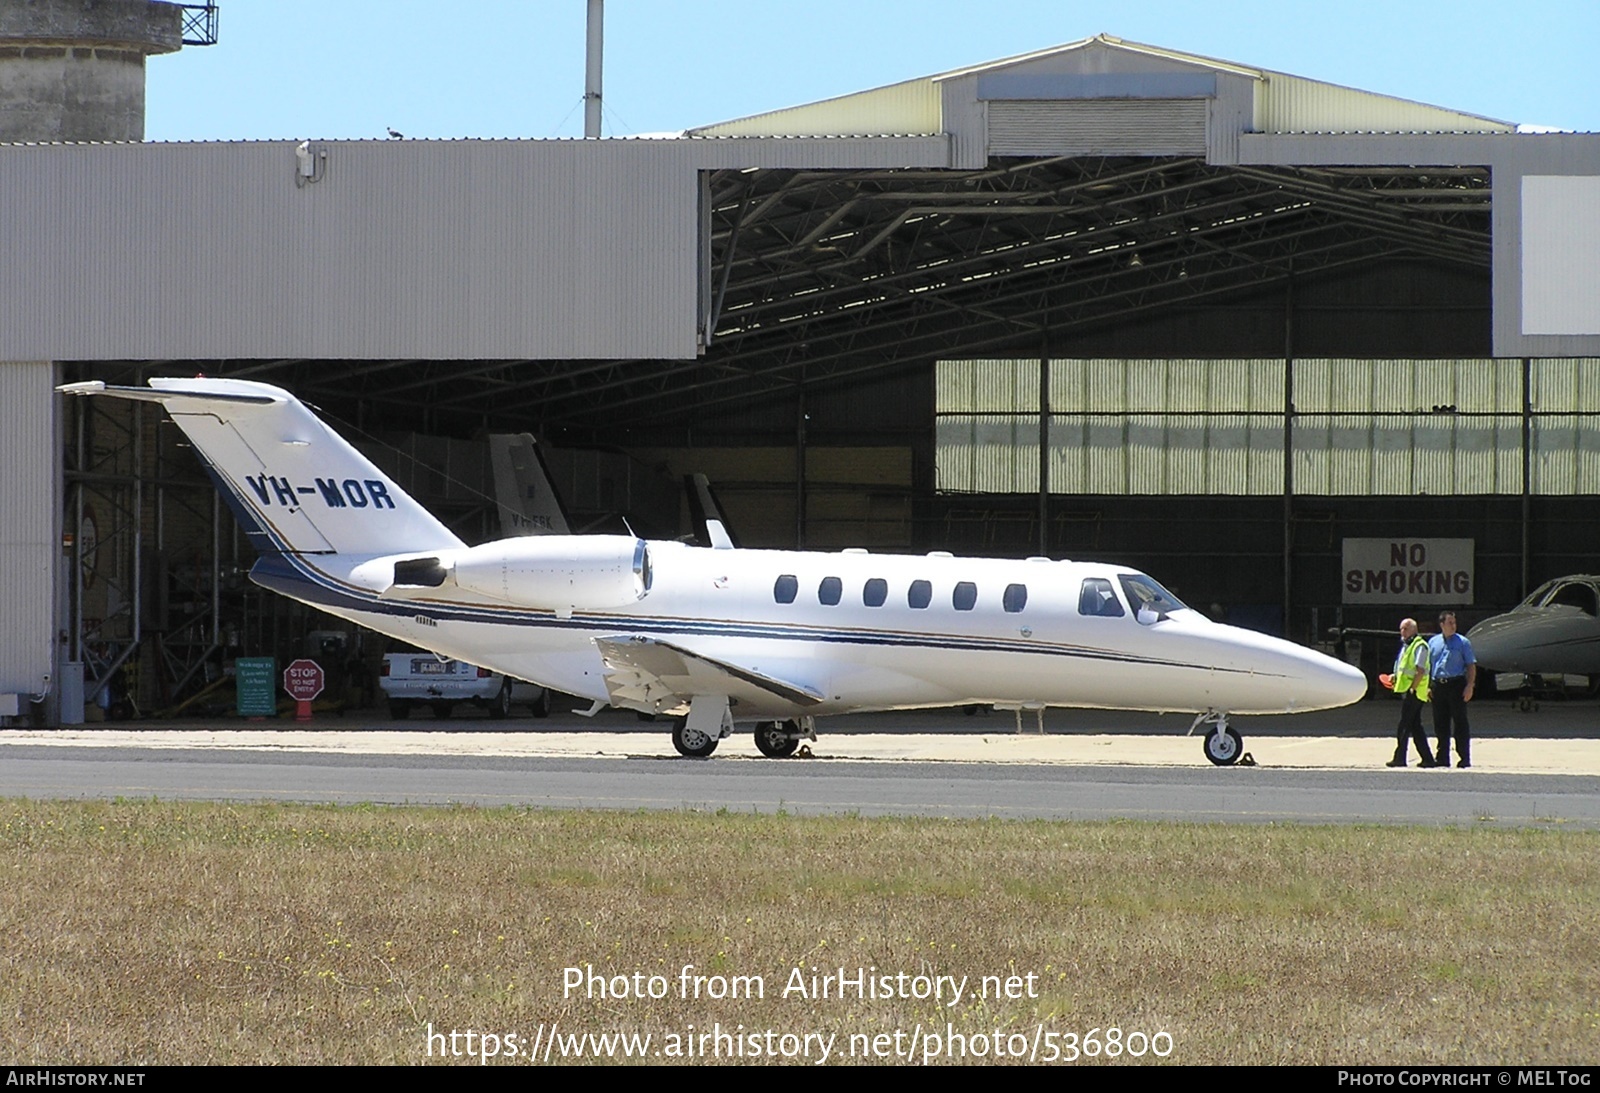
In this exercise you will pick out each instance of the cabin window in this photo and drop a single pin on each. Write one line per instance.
(965, 597)
(1098, 598)
(1016, 598)
(920, 594)
(786, 588)
(830, 590)
(874, 592)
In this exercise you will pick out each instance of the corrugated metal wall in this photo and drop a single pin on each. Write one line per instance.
(1565, 393)
(1362, 427)
(432, 249)
(1117, 426)
(1345, 445)
(30, 455)
(987, 440)
(402, 249)
(908, 107)
(1292, 104)
(1150, 127)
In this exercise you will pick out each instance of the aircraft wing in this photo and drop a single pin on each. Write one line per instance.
(644, 673)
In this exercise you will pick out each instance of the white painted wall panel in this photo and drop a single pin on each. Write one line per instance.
(29, 454)
(1561, 254)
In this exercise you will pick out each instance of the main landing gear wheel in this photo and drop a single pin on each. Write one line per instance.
(1223, 747)
(777, 739)
(691, 742)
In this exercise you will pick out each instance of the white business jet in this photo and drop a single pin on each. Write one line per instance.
(717, 636)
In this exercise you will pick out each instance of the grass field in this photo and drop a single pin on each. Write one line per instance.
(179, 933)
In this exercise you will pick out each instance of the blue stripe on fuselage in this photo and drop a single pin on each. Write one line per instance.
(294, 577)
(289, 573)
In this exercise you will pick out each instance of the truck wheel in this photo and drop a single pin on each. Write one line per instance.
(500, 704)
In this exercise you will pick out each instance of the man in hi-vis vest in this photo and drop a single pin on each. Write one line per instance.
(1410, 682)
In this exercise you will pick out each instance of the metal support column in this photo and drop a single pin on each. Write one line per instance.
(80, 420)
(1288, 448)
(1527, 467)
(1044, 451)
(800, 464)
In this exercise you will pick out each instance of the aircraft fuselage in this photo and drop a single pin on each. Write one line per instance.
(962, 647)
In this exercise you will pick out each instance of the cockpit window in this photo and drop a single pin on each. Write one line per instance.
(1576, 595)
(1150, 602)
(1097, 597)
(1537, 597)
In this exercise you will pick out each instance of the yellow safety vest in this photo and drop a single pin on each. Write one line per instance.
(1406, 673)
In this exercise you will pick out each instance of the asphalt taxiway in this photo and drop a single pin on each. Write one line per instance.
(1538, 767)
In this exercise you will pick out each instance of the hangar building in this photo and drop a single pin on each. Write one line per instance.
(1102, 300)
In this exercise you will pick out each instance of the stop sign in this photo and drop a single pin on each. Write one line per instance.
(303, 680)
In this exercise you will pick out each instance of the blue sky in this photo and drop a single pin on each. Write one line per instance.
(514, 68)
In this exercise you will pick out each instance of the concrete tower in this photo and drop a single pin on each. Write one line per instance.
(74, 69)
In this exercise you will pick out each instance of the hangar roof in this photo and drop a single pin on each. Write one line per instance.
(1282, 103)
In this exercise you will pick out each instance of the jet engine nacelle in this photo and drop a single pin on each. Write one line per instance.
(559, 573)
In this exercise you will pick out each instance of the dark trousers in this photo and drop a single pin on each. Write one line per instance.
(1450, 705)
(1411, 727)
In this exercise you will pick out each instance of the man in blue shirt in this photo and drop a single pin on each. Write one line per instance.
(1454, 670)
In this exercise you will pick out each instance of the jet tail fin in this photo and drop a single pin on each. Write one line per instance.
(710, 525)
(296, 486)
(524, 492)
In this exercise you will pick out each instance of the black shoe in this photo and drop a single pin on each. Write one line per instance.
(1463, 765)
(1395, 763)
(1428, 764)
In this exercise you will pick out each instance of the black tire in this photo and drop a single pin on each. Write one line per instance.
(1224, 748)
(399, 709)
(777, 739)
(442, 710)
(500, 705)
(691, 744)
(541, 705)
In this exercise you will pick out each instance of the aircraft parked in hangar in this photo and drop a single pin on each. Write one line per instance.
(717, 635)
(1555, 631)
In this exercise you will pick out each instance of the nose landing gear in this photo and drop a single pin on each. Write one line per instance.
(1223, 745)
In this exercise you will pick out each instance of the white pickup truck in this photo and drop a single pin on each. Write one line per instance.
(422, 679)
